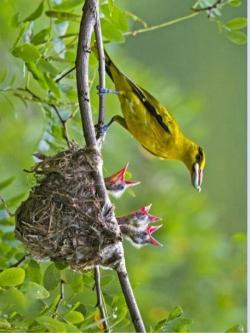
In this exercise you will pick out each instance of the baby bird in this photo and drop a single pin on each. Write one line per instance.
(116, 184)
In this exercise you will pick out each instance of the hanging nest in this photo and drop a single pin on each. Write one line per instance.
(64, 219)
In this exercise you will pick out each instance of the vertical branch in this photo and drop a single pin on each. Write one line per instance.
(101, 120)
(101, 69)
(100, 300)
(82, 70)
(130, 300)
(82, 75)
(88, 22)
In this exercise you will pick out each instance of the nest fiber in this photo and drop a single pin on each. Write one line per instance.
(63, 218)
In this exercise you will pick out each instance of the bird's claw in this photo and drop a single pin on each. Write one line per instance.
(104, 91)
(101, 130)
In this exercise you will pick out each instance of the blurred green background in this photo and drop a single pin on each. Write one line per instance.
(201, 77)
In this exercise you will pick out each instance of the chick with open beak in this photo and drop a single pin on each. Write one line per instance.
(116, 184)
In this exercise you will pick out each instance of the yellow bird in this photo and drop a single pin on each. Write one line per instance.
(153, 126)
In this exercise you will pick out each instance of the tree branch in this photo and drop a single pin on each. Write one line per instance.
(99, 295)
(88, 22)
(64, 124)
(160, 26)
(101, 69)
(101, 120)
(130, 300)
(82, 70)
(65, 74)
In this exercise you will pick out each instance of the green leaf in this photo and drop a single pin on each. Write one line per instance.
(236, 329)
(51, 324)
(47, 67)
(41, 37)
(160, 324)
(74, 317)
(237, 23)
(34, 272)
(63, 16)
(35, 290)
(110, 31)
(116, 16)
(74, 279)
(176, 325)
(53, 87)
(51, 277)
(69, 4)
(37, 74)
(4, 324)
(12, 277)
(37, 13)
(12, 202)
(175, 313)
(235, 3)
(27, 52)
(12, 300)
(60, 265)
(6, 183)
(237, 37)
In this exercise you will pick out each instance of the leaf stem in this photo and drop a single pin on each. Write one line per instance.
(160, 26)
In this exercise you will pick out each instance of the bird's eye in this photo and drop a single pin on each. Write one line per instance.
(199, 156)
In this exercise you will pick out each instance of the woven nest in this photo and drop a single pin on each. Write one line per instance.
(64, 219)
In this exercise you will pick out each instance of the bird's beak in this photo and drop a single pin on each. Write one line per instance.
(145, 211)
(131, 183)
(150, 231)
(118, 176)
(197, 176)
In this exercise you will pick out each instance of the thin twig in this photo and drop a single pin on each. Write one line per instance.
(60, 299)
(6, 207)
(37, 99)
(160, 26)
(65, 74)
(99, 295)
(64, 124)
(19, 262)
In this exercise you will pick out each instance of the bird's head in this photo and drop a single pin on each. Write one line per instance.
(195, 161)
(197, 170)
(117, 184)
(143, 214)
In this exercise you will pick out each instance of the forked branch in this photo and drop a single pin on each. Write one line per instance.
(89, 22)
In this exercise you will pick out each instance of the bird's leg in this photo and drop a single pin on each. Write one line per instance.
(101, 130)
(104, 91)
(120, 120)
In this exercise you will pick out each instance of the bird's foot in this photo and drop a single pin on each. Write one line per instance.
(104, 91)
(101, 130)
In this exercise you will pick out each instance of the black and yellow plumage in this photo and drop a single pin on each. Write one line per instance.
(153, 126)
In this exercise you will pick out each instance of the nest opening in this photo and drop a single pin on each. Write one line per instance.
(63, 218)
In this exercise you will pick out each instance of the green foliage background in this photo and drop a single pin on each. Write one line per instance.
(195, 69)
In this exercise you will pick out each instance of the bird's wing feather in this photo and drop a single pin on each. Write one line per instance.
(158, 112)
